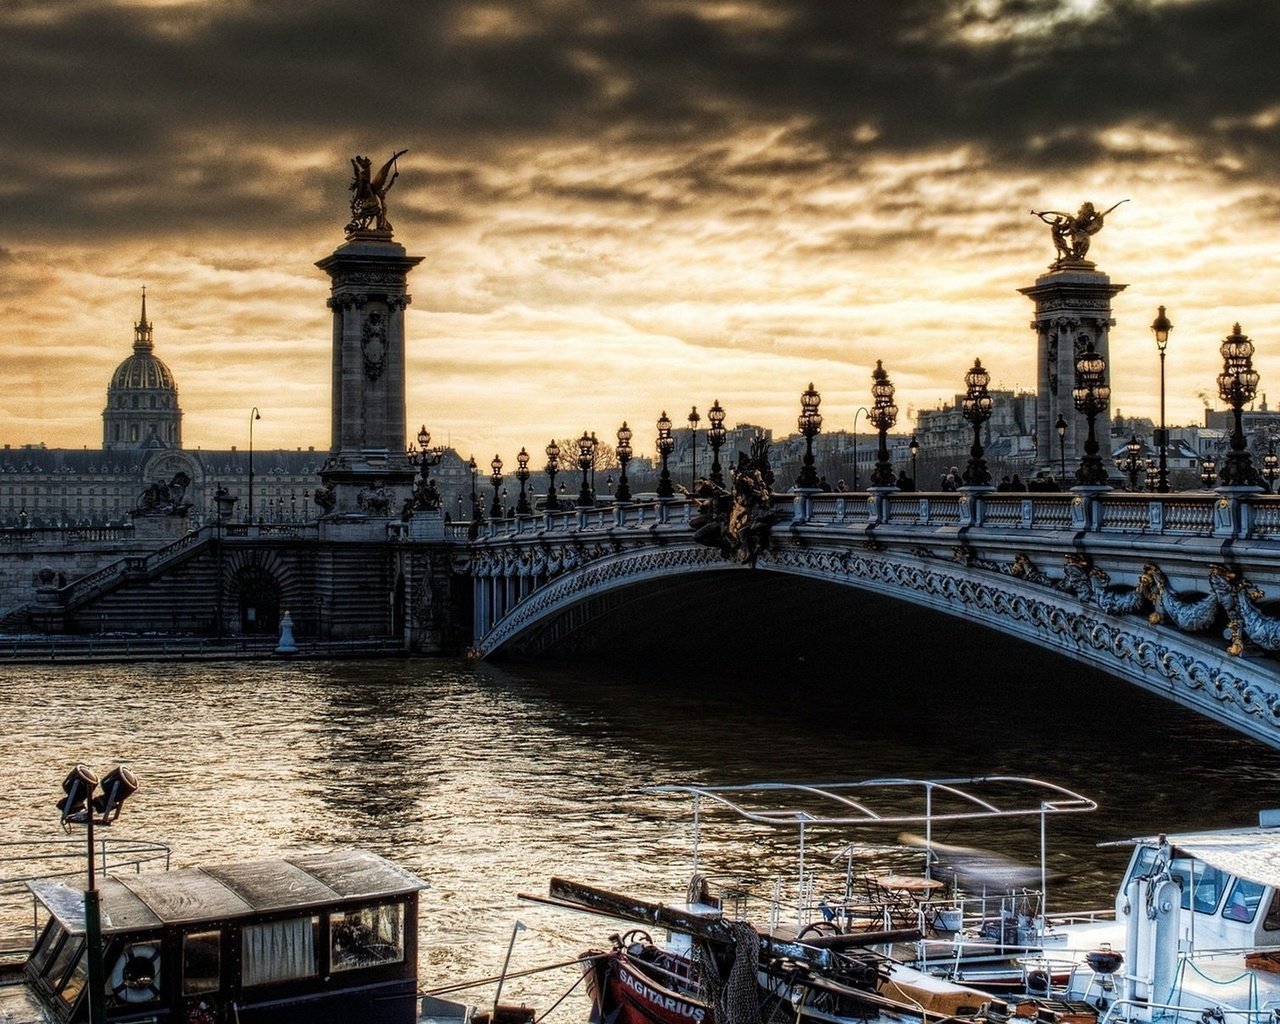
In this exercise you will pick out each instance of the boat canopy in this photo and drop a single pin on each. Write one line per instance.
(151, 900)
(1249, 853)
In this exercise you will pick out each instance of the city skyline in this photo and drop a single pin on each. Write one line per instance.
(625, 212)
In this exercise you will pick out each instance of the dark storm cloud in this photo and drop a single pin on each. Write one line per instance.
(128, 118)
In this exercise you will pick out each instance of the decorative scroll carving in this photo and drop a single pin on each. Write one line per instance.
(373, 345)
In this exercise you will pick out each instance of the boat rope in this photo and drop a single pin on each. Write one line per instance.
(568, 992)
(462, 986)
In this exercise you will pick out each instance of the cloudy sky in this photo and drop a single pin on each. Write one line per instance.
(624, 206)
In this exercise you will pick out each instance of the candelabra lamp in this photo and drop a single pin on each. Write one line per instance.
(1153, 476)
(810, 422)
(623, 492)
(585, 447)
(976, 408)
(523, 508)
(666, 444)
(1133, 463)
(694, 420)
(1237, 385)
(1161, 327)
(883, 415)
(1271, 467)
(1091, 395)
(495, 478)
(715, 438)
(1208, 470)
(553, 467)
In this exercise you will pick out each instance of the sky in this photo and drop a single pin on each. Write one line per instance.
(624, 206)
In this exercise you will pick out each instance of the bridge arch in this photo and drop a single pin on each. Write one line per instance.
(1195, 672)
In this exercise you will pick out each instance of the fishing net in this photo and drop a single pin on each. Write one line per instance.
(734, 998)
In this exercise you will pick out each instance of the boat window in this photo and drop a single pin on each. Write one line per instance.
(1271, 922)
(68, 953)
(279, 950)
(53, 934)
(366, 937)
(1141, 863)
(1200, 881)
(201, 962)
(1243, 901)
(75, 982)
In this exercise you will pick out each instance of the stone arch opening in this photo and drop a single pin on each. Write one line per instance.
(257, 595)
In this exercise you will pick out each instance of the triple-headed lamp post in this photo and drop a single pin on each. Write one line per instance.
(810, 423)
(1237, 385)
(1161, 327)
(1133, 463)
(883, 415)
(553, 467)
(976, 408)
(586, 451)
(624, 456)
(1091, 395)
(665, 444)
(523, 508)
(694, 420)
(495, 478)
(715, 438)
(81, 807)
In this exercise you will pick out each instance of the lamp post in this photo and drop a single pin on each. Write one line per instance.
(254, 415)
(1091, 395)
(495, 478)
(1153, 475)
(715, 438)
(1132, 464)
(810, 422)
(1061, 428)
(592, 452)
(624, 456)
(585, 447)
(1237, 384)
(476, 511)
(861, 411)
(1208, 470)
(883, 415)
(694, 420)
(914, 448)
(976, 408)
(1271, 467)
(523, 508)
(666, 444)
(553, 467)
(81, 807)
(1161, 327)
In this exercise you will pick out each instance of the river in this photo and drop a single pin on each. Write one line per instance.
(487, 781)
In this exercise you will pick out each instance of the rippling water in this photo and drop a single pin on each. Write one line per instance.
(487, 781)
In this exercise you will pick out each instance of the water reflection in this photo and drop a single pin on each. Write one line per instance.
(488, 780)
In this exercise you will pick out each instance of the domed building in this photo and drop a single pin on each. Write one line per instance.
(142, 400)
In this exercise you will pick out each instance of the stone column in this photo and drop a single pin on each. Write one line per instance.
(1073, 307)
(368, 470)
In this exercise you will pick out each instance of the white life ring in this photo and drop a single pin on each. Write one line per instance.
(135, 978)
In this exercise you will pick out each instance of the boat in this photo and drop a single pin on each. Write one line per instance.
(840, 957)
(311, 938)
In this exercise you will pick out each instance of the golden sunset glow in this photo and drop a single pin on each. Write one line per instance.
(624, 208)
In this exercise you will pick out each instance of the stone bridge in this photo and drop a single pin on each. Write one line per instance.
(1166, 591)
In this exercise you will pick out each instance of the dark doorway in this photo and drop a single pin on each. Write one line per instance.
(258, 595)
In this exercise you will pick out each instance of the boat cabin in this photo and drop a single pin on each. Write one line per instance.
(318, 938)
(1228, 882)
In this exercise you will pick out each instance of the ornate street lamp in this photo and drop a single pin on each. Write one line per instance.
(810, 422)
(1153, 475)
(694, 420)
(553, 467)
(523, 507)
(477, 511)
(715, 437)
(253, 415)
(883, 415)
(1091, 395)
(1132, 464)
(1271, 467)
(1208, 470)
(1061, 428)
(624, 456)
(592, 453)
(666, 444)
(1237, 384)
(914, 448)
(586, 445)
(861, 411)
(1161, 327)
(976, 408)
(81, 807)
(495, 478)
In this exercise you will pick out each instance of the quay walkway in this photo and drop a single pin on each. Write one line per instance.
(76, 649)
